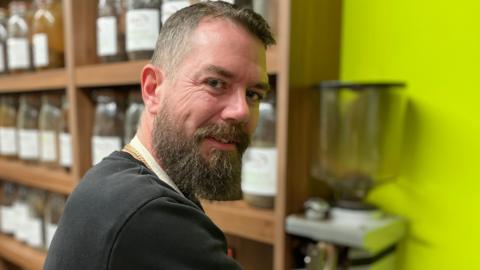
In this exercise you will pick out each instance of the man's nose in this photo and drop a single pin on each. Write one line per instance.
(236, 107)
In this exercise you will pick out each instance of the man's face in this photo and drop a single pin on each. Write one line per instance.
(210, 109)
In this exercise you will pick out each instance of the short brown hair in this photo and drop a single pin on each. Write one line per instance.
(173, 39)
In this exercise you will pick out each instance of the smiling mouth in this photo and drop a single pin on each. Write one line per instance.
(221, 143)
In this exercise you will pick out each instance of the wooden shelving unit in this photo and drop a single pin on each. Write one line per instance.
(34, 81)
(20, 254)
(307, 51)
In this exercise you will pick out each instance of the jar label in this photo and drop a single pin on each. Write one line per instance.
(170, 7)
(2, 58)
(48, 146)
(8, 141)
(142, 30)
(103, 146)
(34, 232)
(106, 36)
(28, 144)
(8, 219)
(18, 53)
(40, 50)
(65, 149)
(49, 233)
(21, 222)
(259, 171)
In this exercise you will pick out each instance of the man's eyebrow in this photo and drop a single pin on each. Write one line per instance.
(220, 71)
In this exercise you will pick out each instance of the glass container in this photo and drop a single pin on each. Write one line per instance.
(358, 134)
(18, 46)
(142, 27)
(132, 116)
(259, 169)
(53, 211)
(108, 124)
(8, 126)
(171, 6)
(9, 195)
(65, 138)
(111, 31)
(35, 237)
(27, 125)
(3, 41)
(49, 125)
(20, 210)
(47, 34)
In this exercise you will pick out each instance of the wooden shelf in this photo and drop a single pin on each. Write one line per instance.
(239, 219)
(128, 73)
(21, 254)
(55, 180)
(34, 81)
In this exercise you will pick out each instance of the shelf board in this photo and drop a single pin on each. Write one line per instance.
(128, 73)
(55, 180)
(34, 81)
(21, 254)
(239, 219)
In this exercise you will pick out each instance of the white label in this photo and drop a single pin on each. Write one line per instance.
(103, 146)
(48, 146)
(50, 230)
(8, 220)
(8, 141)
(65, 149)
(34, 232)
(18, 53)
(142, 30)
(170, 7)
(40, 50)
(20, 210)
(28, 144)
(2, 58)
(259, 171)
(106, 36)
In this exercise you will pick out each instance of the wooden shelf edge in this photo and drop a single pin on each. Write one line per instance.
(54, 180)
(239, 219)
(53, 79)
(124, 73)
(21, 254)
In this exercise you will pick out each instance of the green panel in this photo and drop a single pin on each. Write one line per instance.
(435, 47)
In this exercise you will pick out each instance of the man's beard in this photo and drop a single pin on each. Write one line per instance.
(216, 177)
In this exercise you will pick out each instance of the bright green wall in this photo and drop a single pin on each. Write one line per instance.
(435, 47)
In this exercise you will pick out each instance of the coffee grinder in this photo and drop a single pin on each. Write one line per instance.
(358, 139)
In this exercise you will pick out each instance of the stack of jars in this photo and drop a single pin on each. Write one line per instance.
(31, 37)
(34, 128)
(30, 215)
(113, 125)
(128, 29)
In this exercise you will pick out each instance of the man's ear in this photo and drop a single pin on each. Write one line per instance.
(152, 77)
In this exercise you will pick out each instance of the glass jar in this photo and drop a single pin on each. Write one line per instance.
(132, 116)
(47, 35)
(65, 139)
(35, 237)
(27, 125)
(142, 28)
(3, 41)
(108, 124)
(49, 124)
(9, 195)
(8, 126)
(111, 31)
(18, 46)
(20, 210)
(259, 170)
(53, 211)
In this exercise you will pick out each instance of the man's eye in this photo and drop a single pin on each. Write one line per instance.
(254, 96)
(215, 83)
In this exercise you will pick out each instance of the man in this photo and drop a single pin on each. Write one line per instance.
(139, 208)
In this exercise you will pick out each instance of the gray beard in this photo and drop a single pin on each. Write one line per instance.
(217, 177)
